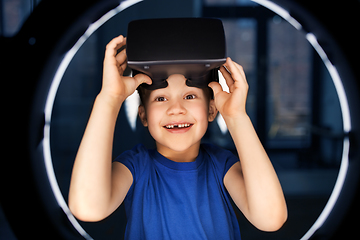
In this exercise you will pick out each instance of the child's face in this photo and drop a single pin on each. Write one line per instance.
(177, 116)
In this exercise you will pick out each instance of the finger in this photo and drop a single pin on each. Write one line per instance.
(241, 70)
(237, 73)
(227, 76)
(216, 87)
(114, 45)
(232, 68)
(121, 57)
(123, 67)
(142, 78)
(119, 42)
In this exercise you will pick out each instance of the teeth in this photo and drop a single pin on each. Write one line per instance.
(178, 125)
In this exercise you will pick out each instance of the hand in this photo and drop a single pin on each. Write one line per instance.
(115, 85)
(231, 104)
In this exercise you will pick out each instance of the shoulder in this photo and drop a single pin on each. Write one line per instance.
(222, 158)
(217, 151)
(135, 159)
(137, 152)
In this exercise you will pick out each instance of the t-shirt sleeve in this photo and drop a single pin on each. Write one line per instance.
(231, 159)
(134, 160)
(222, 158)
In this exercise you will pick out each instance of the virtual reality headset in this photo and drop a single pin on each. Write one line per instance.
(193, 47)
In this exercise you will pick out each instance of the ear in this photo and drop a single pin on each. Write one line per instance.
(212, 111)
(142, 115)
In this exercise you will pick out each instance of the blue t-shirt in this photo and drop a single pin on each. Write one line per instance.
(172, 200)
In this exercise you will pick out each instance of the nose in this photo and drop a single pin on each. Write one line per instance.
(176, 107)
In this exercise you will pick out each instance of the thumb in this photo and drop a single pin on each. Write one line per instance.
(216, 87)
(142, 78)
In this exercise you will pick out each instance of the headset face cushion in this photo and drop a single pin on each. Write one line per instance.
(193, 47)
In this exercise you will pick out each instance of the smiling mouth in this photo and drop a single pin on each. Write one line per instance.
(178, 126)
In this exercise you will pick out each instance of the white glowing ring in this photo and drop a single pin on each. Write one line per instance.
(268, 4)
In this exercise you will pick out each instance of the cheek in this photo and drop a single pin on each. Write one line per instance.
(200, 111)
(200, 114)
(154, 116)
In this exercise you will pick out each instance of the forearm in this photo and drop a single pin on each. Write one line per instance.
(264, 196)
(90, 186)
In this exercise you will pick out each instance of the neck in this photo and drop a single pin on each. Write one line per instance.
(188, 155)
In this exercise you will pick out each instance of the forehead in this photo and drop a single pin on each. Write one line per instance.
(176, 77)
(176, 82)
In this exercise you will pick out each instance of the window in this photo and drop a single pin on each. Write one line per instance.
(289, 91)
(241, 47)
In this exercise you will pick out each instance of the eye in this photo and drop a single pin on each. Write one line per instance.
(160, 99)
(190, 96)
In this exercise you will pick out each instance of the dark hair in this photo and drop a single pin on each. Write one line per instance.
(144, 94)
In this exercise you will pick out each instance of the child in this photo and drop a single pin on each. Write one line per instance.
(182, 189)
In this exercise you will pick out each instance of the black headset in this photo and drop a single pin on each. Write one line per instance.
(193, 47)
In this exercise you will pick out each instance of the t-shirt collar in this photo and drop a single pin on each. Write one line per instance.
(182, 166)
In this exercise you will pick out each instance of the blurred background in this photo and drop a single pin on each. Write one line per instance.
(292, 103)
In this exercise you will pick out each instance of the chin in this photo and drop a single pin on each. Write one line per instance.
(179, 148)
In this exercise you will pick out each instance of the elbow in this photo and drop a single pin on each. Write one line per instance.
(273, 223)
(86, 214)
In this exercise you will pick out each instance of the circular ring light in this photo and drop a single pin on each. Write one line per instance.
(42, 103)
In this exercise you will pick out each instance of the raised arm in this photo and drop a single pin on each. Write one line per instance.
(252, 182)
(99, 186)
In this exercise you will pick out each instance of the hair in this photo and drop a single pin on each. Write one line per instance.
(144, 94)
